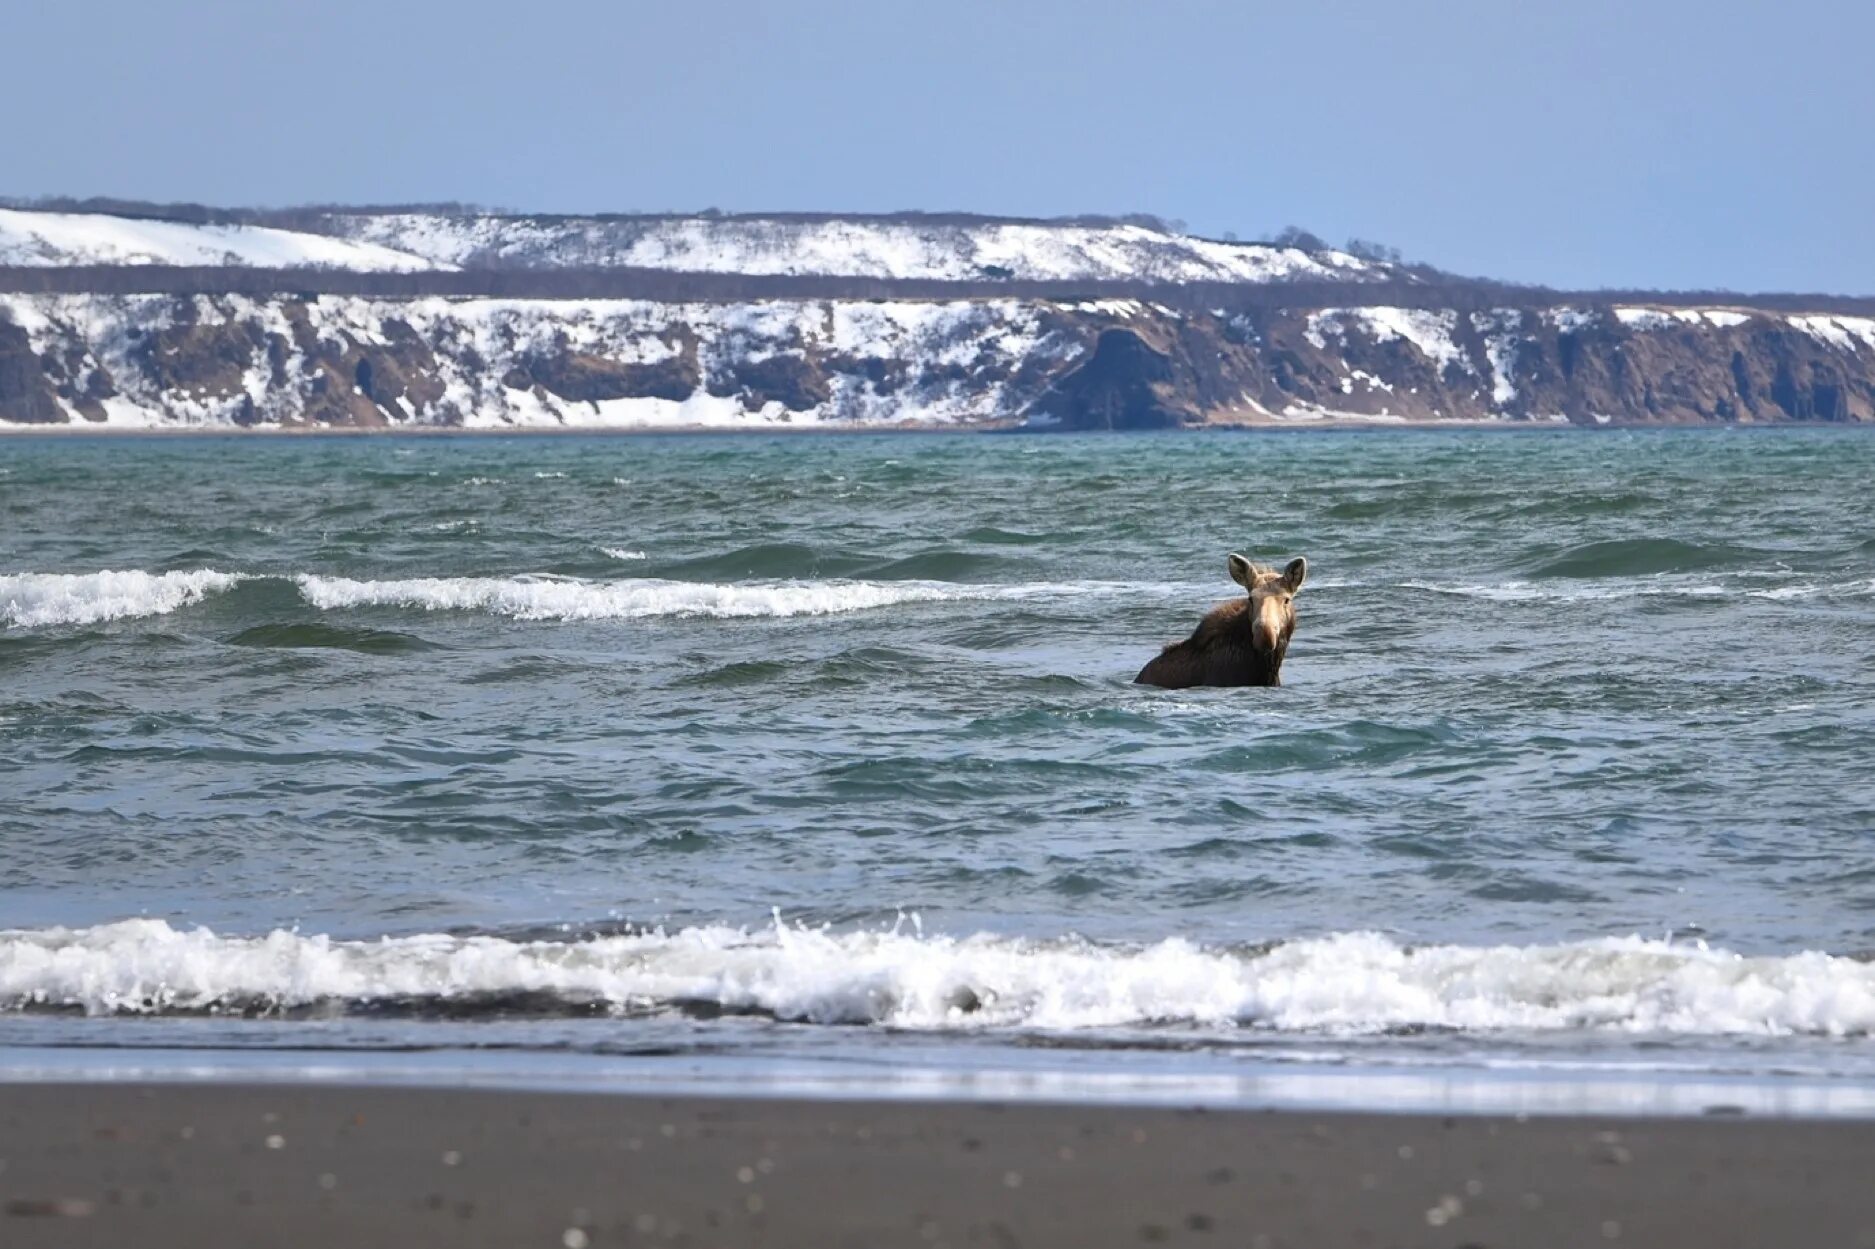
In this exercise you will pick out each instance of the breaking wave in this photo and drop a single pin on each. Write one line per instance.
(1521, 591)
(33, 599)
(529, 598)
(53, 598)
(1345, 984)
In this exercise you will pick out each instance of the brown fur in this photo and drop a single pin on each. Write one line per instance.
(1241, 642)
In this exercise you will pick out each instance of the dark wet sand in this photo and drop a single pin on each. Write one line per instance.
(196, 1166)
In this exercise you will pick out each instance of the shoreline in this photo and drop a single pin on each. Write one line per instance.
(926, 1075)
(222, 1164)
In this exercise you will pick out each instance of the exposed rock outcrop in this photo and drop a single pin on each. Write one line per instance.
(27, 395)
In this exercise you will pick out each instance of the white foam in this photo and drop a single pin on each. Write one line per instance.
(1638, 587)
(1820, 589)
(1347, 983)
(540, 598)
(619, 552)
(1530, 592)
(49, 598)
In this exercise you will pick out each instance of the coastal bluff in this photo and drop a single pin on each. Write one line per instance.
(180, 317)
(310, 361)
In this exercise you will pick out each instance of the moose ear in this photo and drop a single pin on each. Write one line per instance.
(1293, 575)
(1243, 572)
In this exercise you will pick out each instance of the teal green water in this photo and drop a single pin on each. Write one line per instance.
(1546, 688)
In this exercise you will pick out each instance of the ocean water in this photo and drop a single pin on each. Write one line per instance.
(821, 753)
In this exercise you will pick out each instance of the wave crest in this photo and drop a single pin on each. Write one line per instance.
(51, 598)
(1348, 983)
(1520, 591)
(527, 598)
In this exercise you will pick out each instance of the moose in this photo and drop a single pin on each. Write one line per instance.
(1241, 642)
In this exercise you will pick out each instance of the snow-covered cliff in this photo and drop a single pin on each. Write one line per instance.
(153, 360)
(297, 361)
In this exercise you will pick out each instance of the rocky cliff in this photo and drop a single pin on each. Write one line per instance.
(303, 360)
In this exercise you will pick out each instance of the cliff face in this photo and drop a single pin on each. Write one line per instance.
(1583, 365)
(231, 360)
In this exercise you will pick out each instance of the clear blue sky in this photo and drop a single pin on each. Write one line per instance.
(1676, 143)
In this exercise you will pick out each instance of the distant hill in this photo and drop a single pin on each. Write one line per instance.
(942, 247)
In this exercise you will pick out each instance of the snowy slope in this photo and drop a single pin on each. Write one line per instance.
(42, 239)
(867, 247)
(858, 247)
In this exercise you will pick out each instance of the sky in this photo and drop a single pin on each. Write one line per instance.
(1687, 144)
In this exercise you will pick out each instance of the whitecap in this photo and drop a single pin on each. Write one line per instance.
(619, 552)
(1820, 589)
(1350, 983)
(1518, 591)
(541, 598)
(1531, 592)
(49, 598)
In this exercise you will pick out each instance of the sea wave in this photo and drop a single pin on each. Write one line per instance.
(48, 598)
(1522, 591)
(533, 598)
(1637, 557)
(1350, 983)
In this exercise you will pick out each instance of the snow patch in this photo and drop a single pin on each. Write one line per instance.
(40, 239)
(1428, 331)
(1571, 320)
(1644, 318)
(1843, 333)
(972, 251)
(1502, 337)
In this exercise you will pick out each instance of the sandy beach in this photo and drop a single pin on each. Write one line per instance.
(210, 1165)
